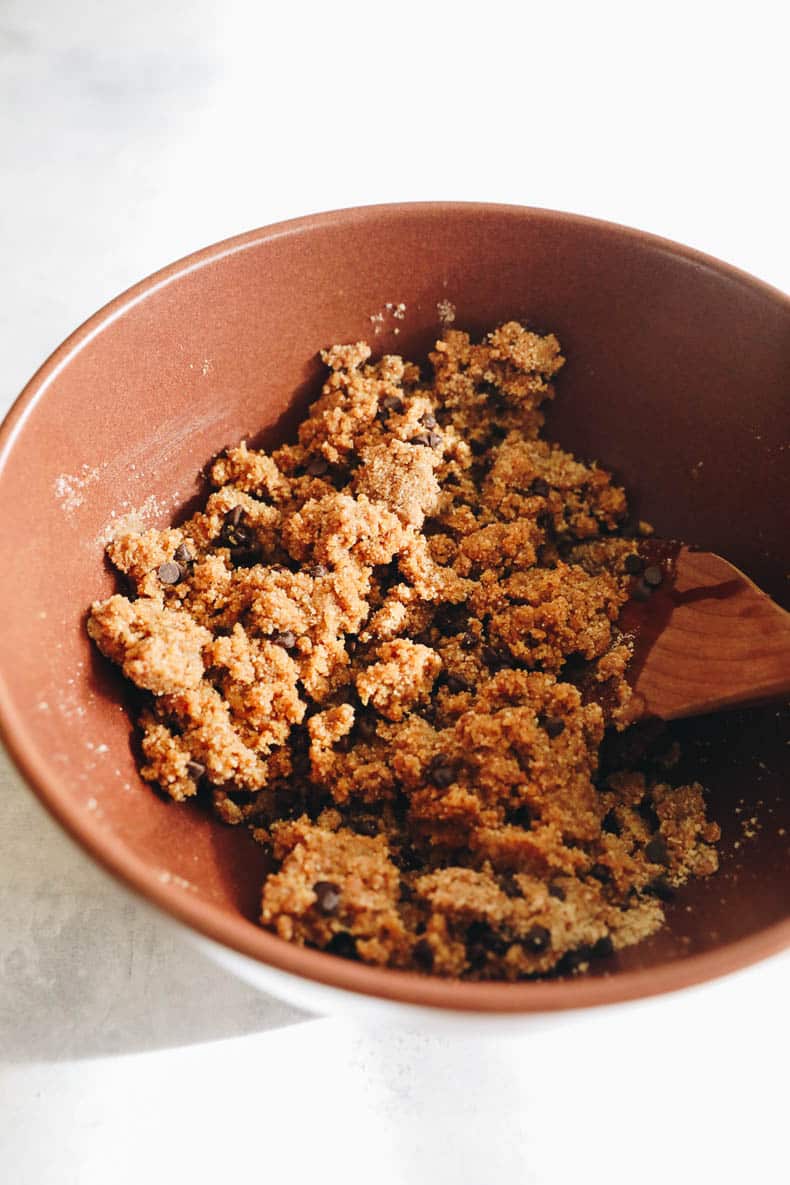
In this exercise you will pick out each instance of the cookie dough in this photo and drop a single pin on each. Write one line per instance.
(391, 650)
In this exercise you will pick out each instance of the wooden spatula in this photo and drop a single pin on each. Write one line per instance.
(706, 637)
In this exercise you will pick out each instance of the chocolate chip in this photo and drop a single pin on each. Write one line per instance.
(481, 936)
(496, 660)
(557, 891)
(428, 420)
(468, 642)
(317, 570)
(169, 573)
(317, 467)
(366, 726)
(602, 948)
(284, 638)
(660, 888)
(423, 955)
(572, 960)
(510, 886)
(633, 564)
(422, 438)
(656, 850)
(601, 873)
(653, 576)
(441, 771)
(520, 817)
(327, 896)
(366, 825)
(392, 403)
(195, 769)
(536, 940)
(539, 487)
(456, 684)
(552, 725)
(234, 532)
(183, 555)
(611, 824)
(641, 591)
(343, 944)
(434, 439)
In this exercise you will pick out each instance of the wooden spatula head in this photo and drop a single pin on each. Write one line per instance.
(705, 636)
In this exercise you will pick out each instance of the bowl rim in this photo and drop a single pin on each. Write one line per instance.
(238, 933)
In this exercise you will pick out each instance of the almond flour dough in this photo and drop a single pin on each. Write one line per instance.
(391, 650)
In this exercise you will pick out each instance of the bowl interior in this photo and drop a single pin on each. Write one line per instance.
(676, 379)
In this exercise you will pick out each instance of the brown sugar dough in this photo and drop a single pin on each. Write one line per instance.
(391, 649)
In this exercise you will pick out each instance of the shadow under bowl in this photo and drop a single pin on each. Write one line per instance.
(677, 379)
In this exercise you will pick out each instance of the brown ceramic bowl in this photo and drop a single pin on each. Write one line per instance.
(677, 378)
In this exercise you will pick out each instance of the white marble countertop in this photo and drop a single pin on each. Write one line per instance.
(131, 134)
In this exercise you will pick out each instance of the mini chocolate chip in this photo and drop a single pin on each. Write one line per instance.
(481, 934)
(633, 564)
(284, 638)
(520, 817)
(327, 896)
(422, 438)
(366, 726)
(317, 467)
(367, 825)
(169, 573)
(456, 684)
(423, 955)
(557, 891)
(510, 886)
(660, 888)
(602, 948)
(641, 591)
(195, 769)
(537, 939)
(495, 660)
(434, 439)
(601, 873)
(393, 403)
(235, 533)
(539, 487)
(656, 850)
(428, 420)
(653, 576)
(183, 555)
(317, 570)
(611, 824)
(552, 725)
(468, 642)
(572, 960)
(442, 770)
(343, 944)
